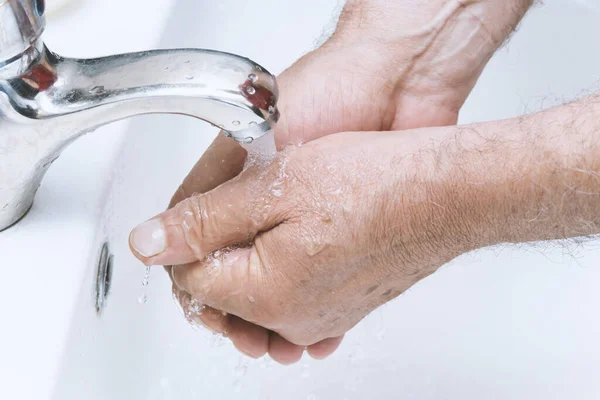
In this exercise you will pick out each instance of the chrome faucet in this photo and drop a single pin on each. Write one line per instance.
(48, 101)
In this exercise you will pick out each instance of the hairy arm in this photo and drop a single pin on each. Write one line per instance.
(338, 228)
(525, 179)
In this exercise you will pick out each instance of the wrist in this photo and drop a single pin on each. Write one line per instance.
(433, 211)
(429, 49)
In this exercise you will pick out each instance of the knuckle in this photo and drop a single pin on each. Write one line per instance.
(195, 216)
(180, 274)
(180, 195)
(189, 278)
(300, 338)
(214, 320)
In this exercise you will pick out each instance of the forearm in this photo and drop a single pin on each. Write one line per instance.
(399, 20)
(528, 179)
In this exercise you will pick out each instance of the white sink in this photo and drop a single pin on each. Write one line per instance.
(507, 323)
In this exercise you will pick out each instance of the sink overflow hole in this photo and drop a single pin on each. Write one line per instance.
(104, 276)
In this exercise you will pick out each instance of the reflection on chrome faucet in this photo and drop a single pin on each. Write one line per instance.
(47, 101)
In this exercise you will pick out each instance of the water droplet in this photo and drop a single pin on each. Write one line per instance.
(143, 297)
(189, 77)
(166, 68)
(146, 277)
(236, 123)
(271, 110)
(251, 299)
(187, 61)
(251, 90)
(253, 78)
(252, 123)
(96, 90)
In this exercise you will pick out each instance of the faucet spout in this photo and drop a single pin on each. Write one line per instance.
(48, 101)
(226, 90)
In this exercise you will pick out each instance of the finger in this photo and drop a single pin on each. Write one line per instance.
(198, 314)
(231, 214)
(283, 351)
(324, 348)
(222, 161)
(227, 285)
(248, 338)
(239, 281)
(222, 283)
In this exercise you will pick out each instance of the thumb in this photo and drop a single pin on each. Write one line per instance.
(231, 214)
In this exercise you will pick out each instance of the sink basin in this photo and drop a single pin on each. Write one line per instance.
(502, 323)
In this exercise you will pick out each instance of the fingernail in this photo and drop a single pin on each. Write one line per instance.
(149, 239)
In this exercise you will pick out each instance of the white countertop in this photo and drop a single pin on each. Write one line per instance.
(46, 255)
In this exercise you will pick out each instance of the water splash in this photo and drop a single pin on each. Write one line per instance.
(240, 373)
(261, 151)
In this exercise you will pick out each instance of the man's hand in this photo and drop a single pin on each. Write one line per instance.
(333, 229)
(387, 67)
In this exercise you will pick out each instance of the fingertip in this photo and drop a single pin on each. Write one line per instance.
(248, 338)
(324, 348)
(283, 351)
(147, 240)
(161, 241)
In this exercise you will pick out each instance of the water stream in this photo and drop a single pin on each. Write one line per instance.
(261, 150)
